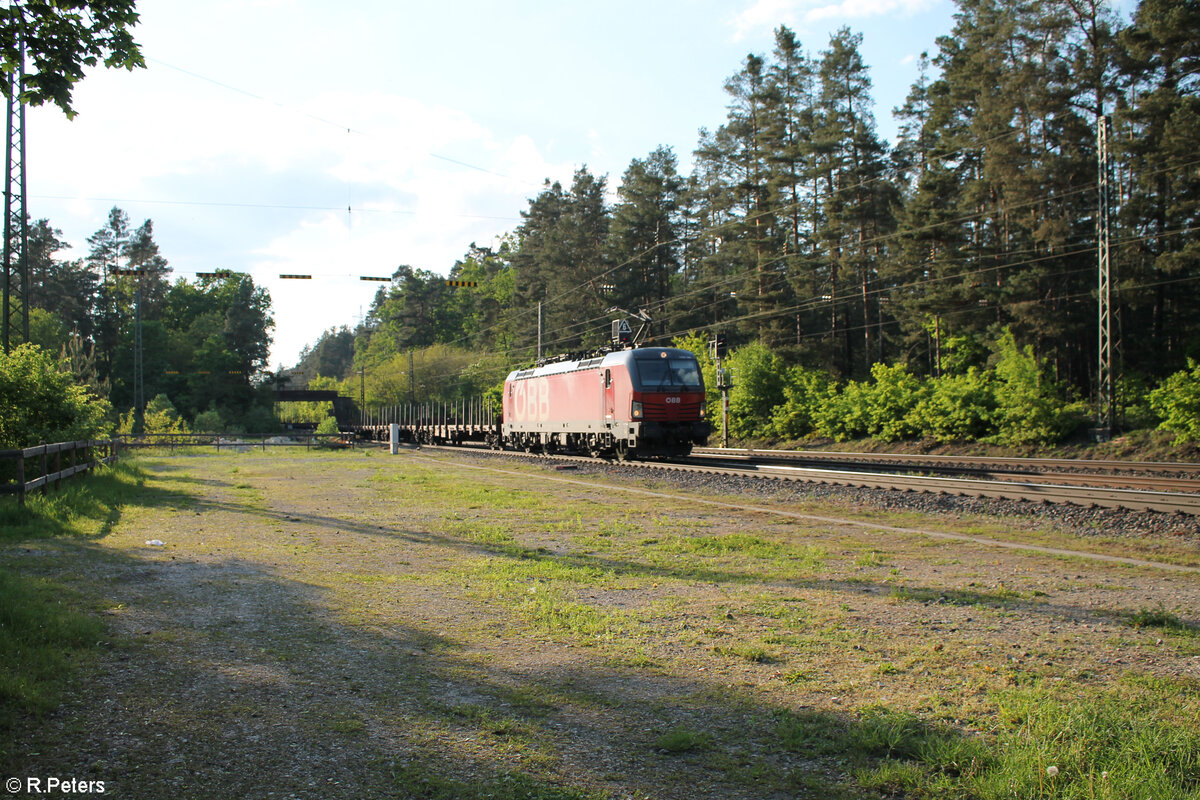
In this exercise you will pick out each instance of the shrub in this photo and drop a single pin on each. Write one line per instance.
(1029, 405)
(1176, 401)
(804, 392)
(39, 403)
(208, 422)
(757, 389)
(845, 414)
(890, 401)
(160, 417)
(957, 407)
(328, 425)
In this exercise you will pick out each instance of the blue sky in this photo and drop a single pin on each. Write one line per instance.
(259, 122)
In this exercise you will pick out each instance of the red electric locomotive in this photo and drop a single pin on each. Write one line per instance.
(644, 402)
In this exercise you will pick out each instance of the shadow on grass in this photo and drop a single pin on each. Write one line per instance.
(266, 686)
(230, 677)
(234, 664)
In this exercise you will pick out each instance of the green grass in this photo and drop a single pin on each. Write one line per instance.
(440, 492)
(1138, 737)
(682, 740)
(1141, 738)
(45, 629)
(755, 654)
(414, 782)
(40, 637)
(1160, 618)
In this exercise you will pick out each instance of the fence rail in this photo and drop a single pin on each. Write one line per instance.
(238, 442)
(83, 455)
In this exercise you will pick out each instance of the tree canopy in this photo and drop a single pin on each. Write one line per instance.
(59, 39)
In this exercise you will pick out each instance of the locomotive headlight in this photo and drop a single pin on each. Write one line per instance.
(637, 410)
(701, 411)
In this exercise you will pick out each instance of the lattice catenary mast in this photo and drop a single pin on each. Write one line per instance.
(16, 221)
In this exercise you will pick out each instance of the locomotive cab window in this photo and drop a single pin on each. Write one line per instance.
(663, 372)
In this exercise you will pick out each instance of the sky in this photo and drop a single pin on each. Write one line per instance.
(343, 140)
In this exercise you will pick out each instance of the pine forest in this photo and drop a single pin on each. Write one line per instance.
(866, 287)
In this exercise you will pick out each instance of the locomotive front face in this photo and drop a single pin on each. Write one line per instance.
(668, 400)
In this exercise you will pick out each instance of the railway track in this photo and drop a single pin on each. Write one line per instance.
(1174, 477)
(975, 465)
(1135, 486)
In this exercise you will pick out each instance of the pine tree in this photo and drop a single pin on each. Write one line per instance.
(1157, 132)
(643, 237)
(560, 262)
(856, 203)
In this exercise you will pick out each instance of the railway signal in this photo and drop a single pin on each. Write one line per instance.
(622, 333)
(717, 348)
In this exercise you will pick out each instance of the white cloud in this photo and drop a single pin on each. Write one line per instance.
(253, 176)
(769, 14)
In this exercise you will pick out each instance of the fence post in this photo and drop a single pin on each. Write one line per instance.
(58, 468)
(21, 478)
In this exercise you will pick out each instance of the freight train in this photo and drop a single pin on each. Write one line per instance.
(644, 402)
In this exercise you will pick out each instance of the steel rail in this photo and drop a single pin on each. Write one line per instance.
(932, 461)
(1153, 482)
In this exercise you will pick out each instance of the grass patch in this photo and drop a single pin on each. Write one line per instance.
(755, 654)
(869, 558)
(45, 632)
(85, 506)
(452, 492)
(1139, 739)
(1160, 618)
(40, 637)
(415, 782)
(682, 740)
(539, 590)
(956, 597)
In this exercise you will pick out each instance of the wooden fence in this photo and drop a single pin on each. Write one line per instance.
(238, 442)
(46, 460)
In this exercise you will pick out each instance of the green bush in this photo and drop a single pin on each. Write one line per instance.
(757, 389)
(845, 414)
(1176, 401)
(159, 417)
(38, 403)
(209, 422)
(1029, 405)
(328, 425)
(804, 392)
(891, 400)
(957, 407)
